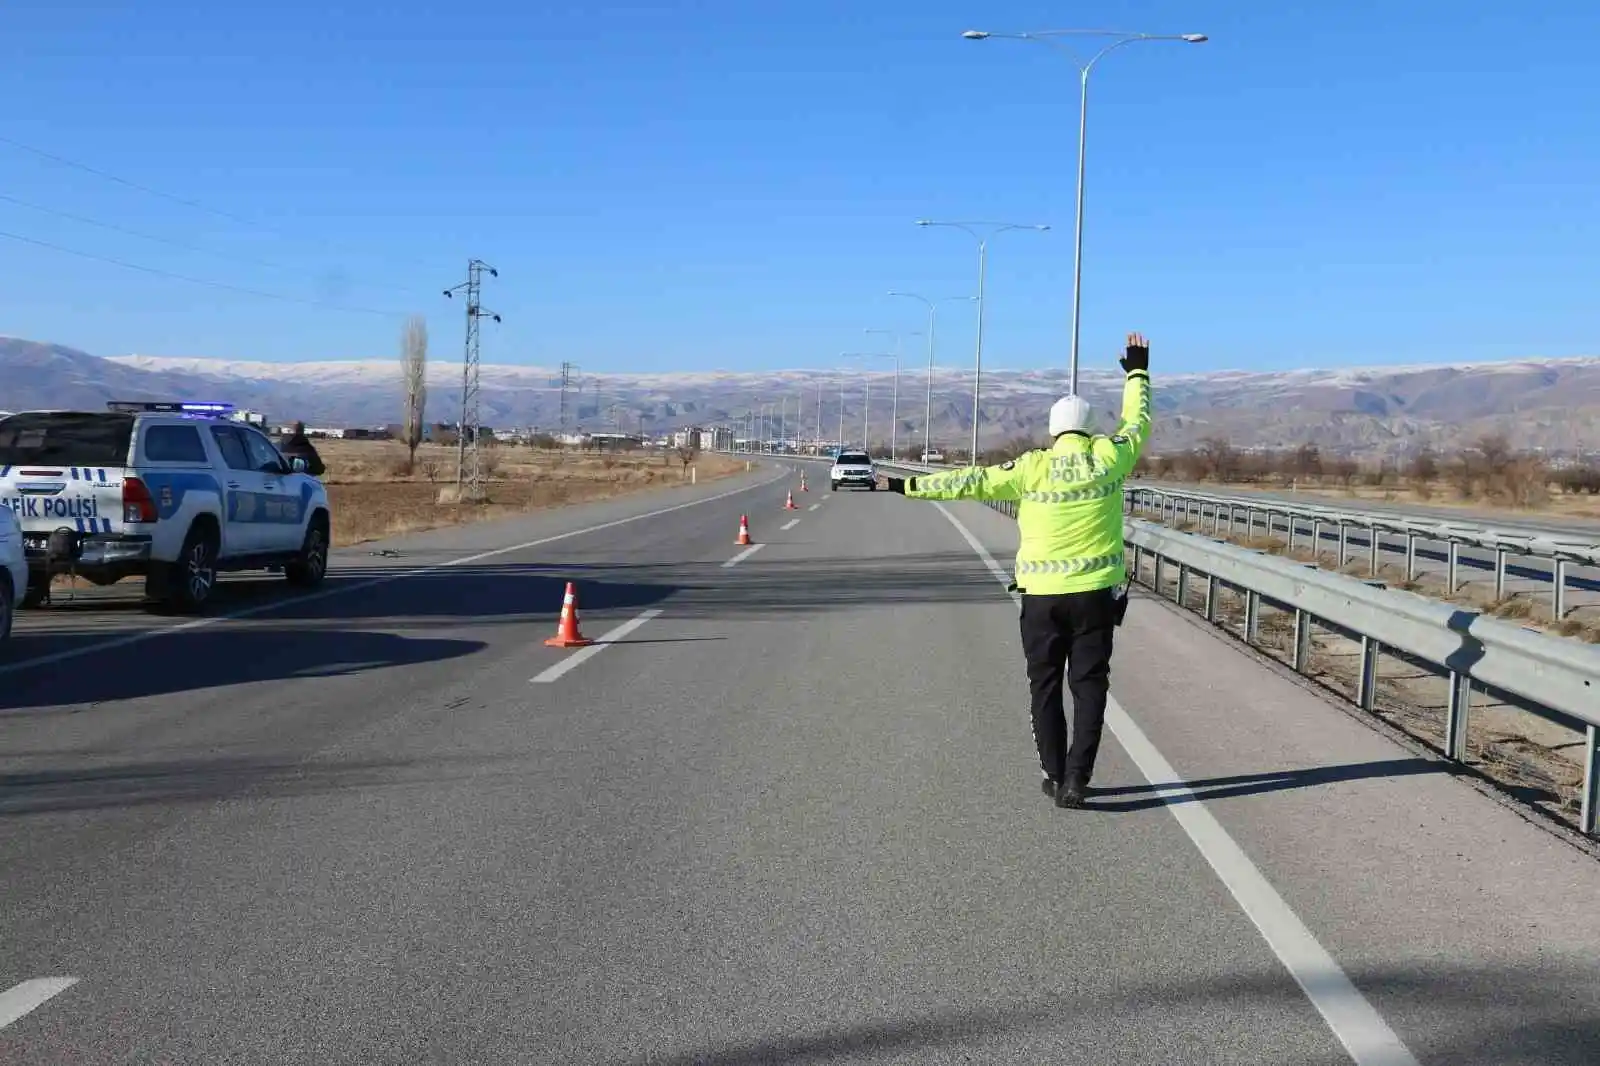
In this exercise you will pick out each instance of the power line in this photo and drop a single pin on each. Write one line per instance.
(129, 183)
(112, 226)
(157, 272)
(64, 161)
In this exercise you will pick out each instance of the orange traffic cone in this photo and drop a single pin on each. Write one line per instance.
(744, 530)
(567, 633)
(788, 504)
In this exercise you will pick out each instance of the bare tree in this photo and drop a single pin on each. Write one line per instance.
(414, 367)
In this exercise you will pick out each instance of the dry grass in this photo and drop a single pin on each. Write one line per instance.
(375, 496)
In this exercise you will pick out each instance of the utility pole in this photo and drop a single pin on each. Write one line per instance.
(469, 470)
(566, 383)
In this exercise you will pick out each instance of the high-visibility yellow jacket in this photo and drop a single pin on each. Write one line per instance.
(1069, 499)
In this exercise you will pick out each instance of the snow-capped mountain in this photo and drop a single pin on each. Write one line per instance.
(1546, 403)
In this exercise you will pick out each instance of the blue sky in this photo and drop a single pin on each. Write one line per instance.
(676, 185)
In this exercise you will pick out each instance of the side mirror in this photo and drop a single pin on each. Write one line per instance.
(297, 465)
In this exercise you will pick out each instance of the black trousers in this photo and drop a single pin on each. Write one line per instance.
(1067, 638)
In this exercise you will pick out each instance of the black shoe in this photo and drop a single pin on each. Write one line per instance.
(1049, 787)
(1073, 792)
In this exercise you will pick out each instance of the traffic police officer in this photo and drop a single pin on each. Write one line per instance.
(1070, 565)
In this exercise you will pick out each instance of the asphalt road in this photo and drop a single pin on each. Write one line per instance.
(792, 815)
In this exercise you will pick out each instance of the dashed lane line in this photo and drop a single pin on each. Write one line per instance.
(582, 655)
(22, 999)
(742, 556)
(1366, 1037)
(788, 525)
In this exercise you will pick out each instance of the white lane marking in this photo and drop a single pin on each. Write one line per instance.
(550, 673)
(1350, 1017)
(274, 605)
(742, 556)
(813, 507)
(19, 1000)
(788, 525)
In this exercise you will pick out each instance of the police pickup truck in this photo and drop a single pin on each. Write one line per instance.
(172, 492)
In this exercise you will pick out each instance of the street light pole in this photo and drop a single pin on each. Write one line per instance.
(894, 423)
(927, 417)
(1049, 37)
(983, 245)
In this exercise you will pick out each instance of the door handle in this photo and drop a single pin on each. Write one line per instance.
(233, 484)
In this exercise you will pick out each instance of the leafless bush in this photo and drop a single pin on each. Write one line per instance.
(1579, 479)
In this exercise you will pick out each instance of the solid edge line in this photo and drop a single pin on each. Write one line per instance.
(360, 586)
(742, 556)
(555, 670)
(1349, 1016)
(22, 999)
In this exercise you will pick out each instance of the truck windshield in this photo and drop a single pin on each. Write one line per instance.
(65, 438)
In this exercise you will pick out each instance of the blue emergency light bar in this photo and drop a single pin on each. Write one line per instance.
(169, 407)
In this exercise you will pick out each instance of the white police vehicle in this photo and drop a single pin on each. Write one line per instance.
(173, 492)
(853, 468)
(13, 569)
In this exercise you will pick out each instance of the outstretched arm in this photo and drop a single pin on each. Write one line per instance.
(969, 483)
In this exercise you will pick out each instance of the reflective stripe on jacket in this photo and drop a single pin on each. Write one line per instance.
(1069, 499)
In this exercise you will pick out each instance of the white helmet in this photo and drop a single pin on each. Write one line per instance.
(1071, 414)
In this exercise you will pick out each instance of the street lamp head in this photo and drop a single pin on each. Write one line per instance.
(1042, 228)
(974, 35)
(1196, 38)
(924, 222)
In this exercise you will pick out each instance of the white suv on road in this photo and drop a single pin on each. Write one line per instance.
(171, 492)
(853, 468)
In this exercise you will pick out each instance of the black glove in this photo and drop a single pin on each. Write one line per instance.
(1137, 357)
(895, 484)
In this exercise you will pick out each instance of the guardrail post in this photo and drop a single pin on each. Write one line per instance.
(1249, 522)
(1455, 564)
(1316, 538)
(1455, 723)
(1183, 584)
(1411, 556)
(1373, 544)
(1211, 597)
(1252, 616)
(1558, 589)
(1367, 687)
(1589, 806)
(1291, 533)
(1344, 544)
(1302, 640)
(1500, 573)
(1156, 582)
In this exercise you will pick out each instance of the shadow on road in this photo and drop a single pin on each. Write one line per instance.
(1538, 1012)
(211, 658)
(1214, 788)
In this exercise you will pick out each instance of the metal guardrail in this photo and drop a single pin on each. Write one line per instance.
(1313, 521)
(1558, 675)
